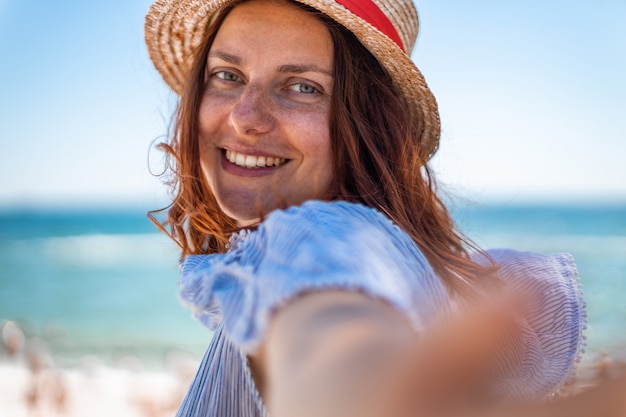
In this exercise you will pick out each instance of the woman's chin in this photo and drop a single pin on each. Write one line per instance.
(246, 214)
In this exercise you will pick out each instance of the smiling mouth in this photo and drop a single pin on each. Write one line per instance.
(252, 161)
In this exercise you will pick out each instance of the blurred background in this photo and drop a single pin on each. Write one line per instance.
(532, 104)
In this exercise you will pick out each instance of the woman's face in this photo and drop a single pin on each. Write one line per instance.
(264, 116)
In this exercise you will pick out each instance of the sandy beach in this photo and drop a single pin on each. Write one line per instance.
(92, 390)
(33, 385)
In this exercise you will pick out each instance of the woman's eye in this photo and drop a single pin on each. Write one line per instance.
(227, 76)
(303, 88)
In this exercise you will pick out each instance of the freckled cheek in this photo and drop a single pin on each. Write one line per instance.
(208, 130)
(213, 111)
(315, 145)
(205, 142)
(206, 116)
(318, 139)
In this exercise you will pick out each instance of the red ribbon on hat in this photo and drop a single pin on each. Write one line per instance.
(371, 13)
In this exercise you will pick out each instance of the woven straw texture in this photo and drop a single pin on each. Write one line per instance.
(174, 28)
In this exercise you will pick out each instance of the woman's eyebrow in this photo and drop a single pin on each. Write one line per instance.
(299, 69)
(224, 56)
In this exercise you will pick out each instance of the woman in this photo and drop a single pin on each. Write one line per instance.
(313, 241)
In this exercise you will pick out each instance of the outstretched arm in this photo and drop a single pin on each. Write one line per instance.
(338, 353)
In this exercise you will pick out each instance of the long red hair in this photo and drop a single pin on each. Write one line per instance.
(378, 162)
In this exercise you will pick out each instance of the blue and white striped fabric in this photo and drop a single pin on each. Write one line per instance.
(341, 245)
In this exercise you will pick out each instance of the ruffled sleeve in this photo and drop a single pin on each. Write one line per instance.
(316, 246)
(552, 325)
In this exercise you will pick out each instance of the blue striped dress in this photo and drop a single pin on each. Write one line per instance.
(340, 245)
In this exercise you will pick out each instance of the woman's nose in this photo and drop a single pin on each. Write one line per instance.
(252, 113)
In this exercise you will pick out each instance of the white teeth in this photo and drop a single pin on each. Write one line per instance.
(251, 161)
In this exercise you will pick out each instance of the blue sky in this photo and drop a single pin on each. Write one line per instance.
(532, 97)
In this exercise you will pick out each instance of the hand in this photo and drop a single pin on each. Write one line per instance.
(453, 366)
(342, 354)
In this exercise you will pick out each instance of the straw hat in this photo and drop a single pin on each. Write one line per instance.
(387, 28)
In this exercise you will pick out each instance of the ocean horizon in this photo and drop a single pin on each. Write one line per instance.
(103, 283)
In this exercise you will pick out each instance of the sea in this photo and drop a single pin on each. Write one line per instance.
(103, 283)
